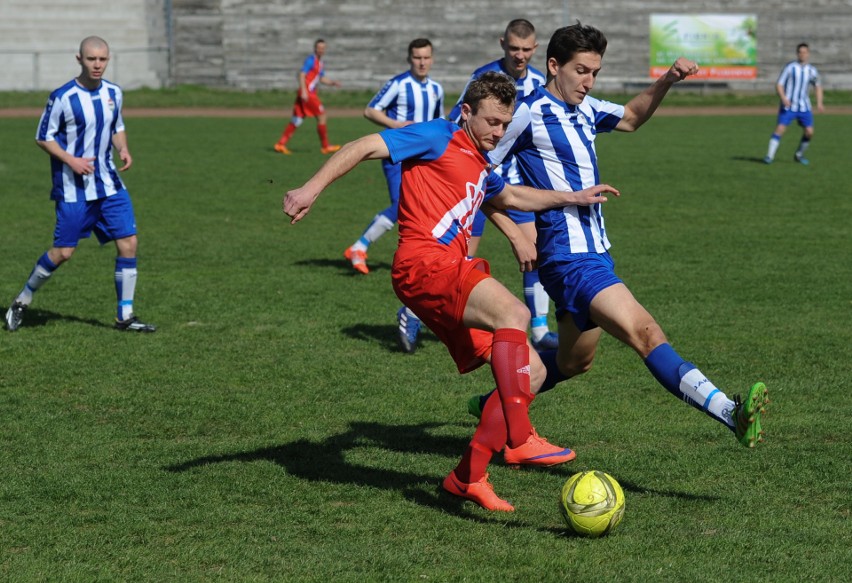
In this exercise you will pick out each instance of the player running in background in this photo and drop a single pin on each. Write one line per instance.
(308, 103)
(793, 88)
(80, 126)
(552, 137)
(519, 45)
(445, 178)
(408, 98)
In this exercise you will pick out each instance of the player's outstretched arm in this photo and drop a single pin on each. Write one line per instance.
(525, 198)
(298, 202)
(524, 249)
(640, 109)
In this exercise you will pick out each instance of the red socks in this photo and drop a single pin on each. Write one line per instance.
(505, 416)
(288, 131)
(489, 438)
(322, 130)
(510, 365)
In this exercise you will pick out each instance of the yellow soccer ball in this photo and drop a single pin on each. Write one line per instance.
(592, 503)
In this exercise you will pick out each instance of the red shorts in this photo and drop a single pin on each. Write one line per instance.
(310, 108)
(435, 286)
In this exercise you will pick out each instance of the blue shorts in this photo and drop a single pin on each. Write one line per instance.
(110, 218)
(786, 117)
(519, 217)
(574, 280)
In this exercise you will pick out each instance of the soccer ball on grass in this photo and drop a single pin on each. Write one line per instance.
(592, 503)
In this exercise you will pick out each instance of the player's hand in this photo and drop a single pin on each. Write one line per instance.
(126, 158)
(82, 166)
(683, 68)
(303, 95)
(526, 254)
(297, 203)
(592, 195)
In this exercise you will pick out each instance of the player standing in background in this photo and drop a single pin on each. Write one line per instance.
(793, 88)
(519, 45)
(408, 98)
(80, 126)
(445, 178)
(552, 136)
(308, 103)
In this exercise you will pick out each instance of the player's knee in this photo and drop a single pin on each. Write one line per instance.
(648, 335)
(60, 255)
(576, 364)
(516, 315)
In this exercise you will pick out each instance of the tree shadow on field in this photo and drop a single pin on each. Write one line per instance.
(326, 461)
(386, 336)
(34, 318)
(344, 267)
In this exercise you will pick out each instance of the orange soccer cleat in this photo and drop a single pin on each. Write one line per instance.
(358, 259)
(537, 451)
(481, 492)
(330, 149)
(282, 149)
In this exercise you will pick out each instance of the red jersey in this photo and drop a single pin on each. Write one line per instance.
(313, 68)
(445, 180)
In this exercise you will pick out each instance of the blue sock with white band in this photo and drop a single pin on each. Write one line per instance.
(42, 271)
(684, 380)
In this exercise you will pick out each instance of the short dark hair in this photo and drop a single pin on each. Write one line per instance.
(318, 41)
(520, 27)
(800, 45)
(491, 84)
(577, 38)
(418, 43)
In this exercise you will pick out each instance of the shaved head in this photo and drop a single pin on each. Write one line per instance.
(94, 42)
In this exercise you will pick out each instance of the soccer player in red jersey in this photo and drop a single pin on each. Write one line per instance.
(308, 103)
(445, 179)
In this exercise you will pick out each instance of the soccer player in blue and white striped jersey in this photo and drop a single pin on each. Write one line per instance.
(79, 128)
(519, 44)
(793, 87)
(410, 97)
(552, 135)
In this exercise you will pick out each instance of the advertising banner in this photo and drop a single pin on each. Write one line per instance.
(723, 45)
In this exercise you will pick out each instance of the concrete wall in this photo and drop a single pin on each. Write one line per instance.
(40, 38)
(260, 44)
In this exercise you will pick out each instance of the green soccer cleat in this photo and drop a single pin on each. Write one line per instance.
(747, 414)
(474, 406)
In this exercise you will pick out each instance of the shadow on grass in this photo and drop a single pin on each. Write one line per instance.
(386, 336)
(34, 318)
(344, 267)
(748, 159)
(634, 488)
(325, 461)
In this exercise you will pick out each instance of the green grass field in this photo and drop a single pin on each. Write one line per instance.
(272, 431)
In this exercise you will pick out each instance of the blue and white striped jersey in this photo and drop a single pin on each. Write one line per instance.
(83, 122)
(554, 144)
(796, 78)
(525, 86)
(406, 98)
